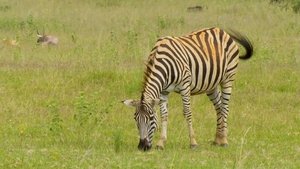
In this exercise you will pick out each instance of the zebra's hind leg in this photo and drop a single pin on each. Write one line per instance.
(222, 112)
(164, 122)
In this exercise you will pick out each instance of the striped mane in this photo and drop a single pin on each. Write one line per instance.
(149, 64)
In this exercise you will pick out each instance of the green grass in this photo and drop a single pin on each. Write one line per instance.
(60, 106)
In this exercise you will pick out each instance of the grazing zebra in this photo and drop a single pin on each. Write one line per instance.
(204, 61)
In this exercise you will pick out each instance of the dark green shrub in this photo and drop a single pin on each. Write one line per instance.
(296, 7)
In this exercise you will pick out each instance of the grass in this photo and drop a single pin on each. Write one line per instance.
(60, 106)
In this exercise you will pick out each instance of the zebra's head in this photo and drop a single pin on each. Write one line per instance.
(146, 121)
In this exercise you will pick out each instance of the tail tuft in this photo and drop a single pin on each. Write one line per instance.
(244, 41)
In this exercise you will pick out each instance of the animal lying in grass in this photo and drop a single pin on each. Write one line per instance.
(10, 42)
(46, 39)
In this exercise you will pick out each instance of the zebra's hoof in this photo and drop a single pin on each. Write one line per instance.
(221, 145)
(159, 147)
(224, 145)
(193, 146)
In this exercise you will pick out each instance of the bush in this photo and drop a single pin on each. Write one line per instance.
(296, 7)
(287, 4)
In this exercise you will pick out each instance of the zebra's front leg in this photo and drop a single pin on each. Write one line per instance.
(188, 116)
(164, 121)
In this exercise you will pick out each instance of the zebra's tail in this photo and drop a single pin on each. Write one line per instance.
(244, 41)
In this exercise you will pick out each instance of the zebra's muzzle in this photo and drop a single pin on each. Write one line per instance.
(144, 145)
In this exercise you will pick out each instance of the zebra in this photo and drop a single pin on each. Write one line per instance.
(203, 61)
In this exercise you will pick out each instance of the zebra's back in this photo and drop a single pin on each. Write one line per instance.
(203, 58)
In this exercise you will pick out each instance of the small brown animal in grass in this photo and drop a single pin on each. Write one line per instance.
(197, 8)
(46, 39)
(10, 42)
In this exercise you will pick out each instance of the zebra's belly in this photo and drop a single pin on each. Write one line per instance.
(195, 88)
(173, 88)
(198, 88)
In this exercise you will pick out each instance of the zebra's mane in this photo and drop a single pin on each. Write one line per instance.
(149, 64)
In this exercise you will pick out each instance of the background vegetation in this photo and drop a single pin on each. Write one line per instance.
(60, 106)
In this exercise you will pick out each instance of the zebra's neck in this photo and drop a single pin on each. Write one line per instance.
(150, 93)
(152, 89)
(154, 78)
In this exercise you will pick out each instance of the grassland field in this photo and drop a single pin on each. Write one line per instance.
(60, 106)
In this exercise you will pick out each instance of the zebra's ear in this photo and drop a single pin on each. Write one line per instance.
(132, 103)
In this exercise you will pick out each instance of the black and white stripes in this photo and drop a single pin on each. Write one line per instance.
(197, 63)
